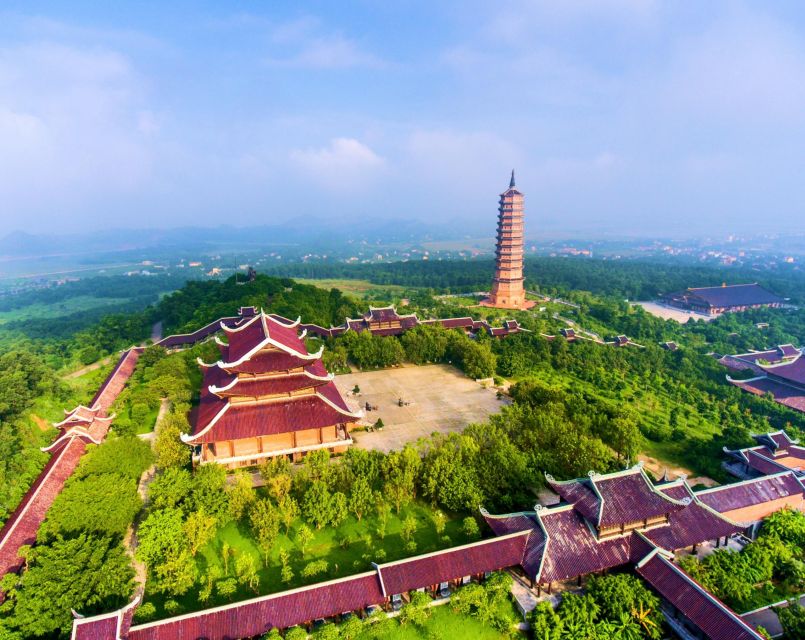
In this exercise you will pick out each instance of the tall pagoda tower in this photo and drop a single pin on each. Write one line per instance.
(507, 285)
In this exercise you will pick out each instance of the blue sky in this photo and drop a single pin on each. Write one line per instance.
(619, 115)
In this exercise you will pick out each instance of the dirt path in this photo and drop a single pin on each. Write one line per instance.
(90, 367)
(658, 468)
(43, 424)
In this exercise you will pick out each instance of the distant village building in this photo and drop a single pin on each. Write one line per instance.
(713, 301)
(508, 291)
(267, 397)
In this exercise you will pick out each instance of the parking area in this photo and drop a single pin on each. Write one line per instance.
(435, 398)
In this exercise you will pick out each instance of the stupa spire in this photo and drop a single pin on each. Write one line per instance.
(511, 182)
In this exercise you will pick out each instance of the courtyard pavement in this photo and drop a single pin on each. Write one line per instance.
(439, 399)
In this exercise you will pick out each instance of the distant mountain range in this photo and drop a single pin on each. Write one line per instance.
(311, 233)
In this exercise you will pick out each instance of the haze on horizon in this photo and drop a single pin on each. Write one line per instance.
(657, 117)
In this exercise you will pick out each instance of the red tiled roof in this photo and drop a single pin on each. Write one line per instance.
(573, 549)
(269, 361)
(263, 329)
(451, 564)
(259, 615)
(267, 418)
(763, 461)
(691, 525)
(252, 387)
(793, 371)
(783, 393)
(709, 614)
(104, 628)
(751, 492)
(736, 295)
(616, 498)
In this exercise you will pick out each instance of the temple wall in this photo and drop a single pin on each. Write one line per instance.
(278, 441)
(307, 437)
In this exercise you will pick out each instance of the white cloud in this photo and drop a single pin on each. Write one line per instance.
(345, 164)
(69, 127)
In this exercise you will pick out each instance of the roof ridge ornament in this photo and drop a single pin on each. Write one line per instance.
(511, 182)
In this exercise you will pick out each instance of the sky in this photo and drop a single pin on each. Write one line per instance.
(629, 116)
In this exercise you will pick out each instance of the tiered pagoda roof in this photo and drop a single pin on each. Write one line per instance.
(266, 383)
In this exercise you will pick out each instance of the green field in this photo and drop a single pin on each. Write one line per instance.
(444, 624)
(357, 288)
(58, 309)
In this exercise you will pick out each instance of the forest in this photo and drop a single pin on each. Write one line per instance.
(575, 406)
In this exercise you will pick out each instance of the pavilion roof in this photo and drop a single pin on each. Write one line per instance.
(615, 498)
(219, 419)
(789, 371)
(572, 547)
(257, 387)
(740, 495)
(736, 295)
(693, 524)
(707, 612)
(79, 414)
(258, 334)
(775, 439)
(784, 393)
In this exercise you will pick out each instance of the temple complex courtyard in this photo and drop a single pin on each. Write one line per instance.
(438, 398)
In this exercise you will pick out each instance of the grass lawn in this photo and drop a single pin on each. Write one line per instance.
(348, 549)
(357, 288)
(443, 623)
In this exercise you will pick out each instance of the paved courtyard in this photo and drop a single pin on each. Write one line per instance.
(440, 398)
(670, 313)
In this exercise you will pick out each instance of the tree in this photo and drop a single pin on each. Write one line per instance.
(87, 573)
(170, 488)
(439, 521)
(241, 495)
(163, 547)
(327, 631)
(417, 611)
(337, 508)
(316, 504)
(296, 633)
(209, 492)
(246, 571)
(265, 522)
(304, 537)
(360, 497)
(286, 573)
(470, 527)
(314, 568)
(792, 618)
(622, 594)
(199, 528)
(103, 503)
(546, 624)
(124, 456)
(288, 512)
(279, 485)
(170, 450)
(226, 588)
(409, 528)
